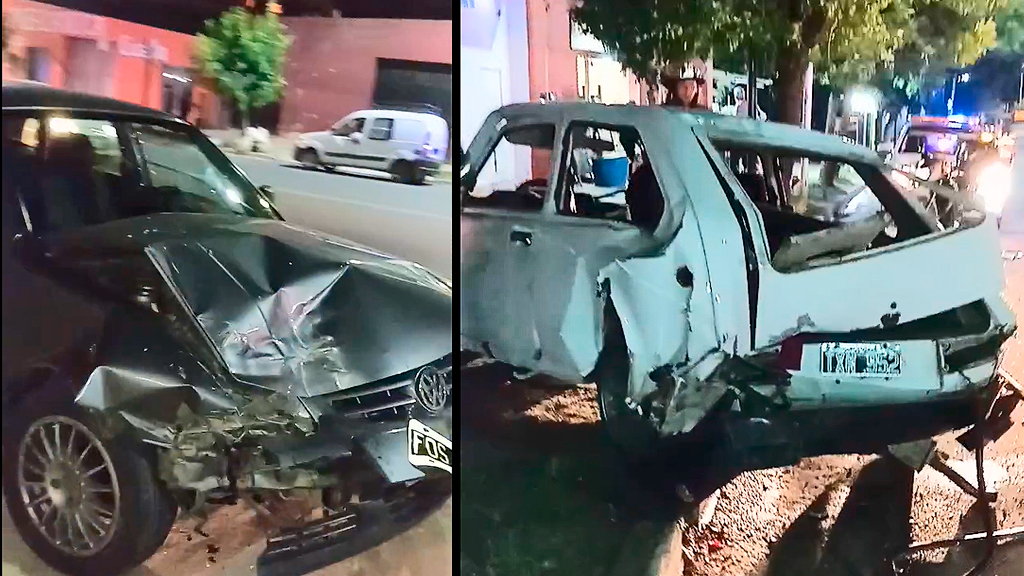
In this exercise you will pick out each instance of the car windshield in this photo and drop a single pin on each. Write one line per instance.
(195, 174)
(86, 171)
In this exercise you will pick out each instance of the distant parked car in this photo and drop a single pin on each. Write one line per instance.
(409, 144)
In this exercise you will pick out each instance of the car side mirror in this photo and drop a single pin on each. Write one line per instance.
(356, 137)
(267, 192)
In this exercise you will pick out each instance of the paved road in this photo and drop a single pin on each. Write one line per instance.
(413, 222)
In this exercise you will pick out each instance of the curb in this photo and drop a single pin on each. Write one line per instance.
(637, 557)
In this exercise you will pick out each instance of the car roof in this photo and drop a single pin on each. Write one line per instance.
(36, 96)
(735, 130)
(391, 113)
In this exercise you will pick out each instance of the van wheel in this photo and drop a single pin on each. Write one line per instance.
(404, 171)
(86, 505)
(308, 157)
(628, 430)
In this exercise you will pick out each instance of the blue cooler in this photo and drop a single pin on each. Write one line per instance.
(611, 172)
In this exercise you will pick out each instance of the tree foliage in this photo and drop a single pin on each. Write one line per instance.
(848, 40)
(243, 53)
(1010, 28)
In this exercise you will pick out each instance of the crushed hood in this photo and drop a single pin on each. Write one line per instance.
(304, 313)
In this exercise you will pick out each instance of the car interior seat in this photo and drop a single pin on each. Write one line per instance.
(644, 197)
(69, 188)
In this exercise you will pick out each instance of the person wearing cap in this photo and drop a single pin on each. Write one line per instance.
(684, 85)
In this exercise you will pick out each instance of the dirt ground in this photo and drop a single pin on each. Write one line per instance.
(235, 542)
(541, 495)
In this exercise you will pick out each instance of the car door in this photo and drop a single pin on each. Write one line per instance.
(499, 217)
(379, 144)
(45, 192)
(588, 230)
(342, 146)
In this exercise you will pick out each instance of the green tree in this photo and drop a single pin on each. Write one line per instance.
(847, 40)
(243, 53)
(1010, 28)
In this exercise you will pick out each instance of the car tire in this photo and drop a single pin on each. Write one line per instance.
(635, 436)
(308, 157)
(143, 511)
(404, 171)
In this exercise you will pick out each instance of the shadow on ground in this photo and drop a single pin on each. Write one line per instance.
(871, 527)
(543, 494)
(354, 172)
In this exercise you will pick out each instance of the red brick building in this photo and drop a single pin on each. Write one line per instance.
(340, 65)
(105, 56)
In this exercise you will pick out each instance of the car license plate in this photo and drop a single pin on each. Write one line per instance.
(428, 448)
(861, 359)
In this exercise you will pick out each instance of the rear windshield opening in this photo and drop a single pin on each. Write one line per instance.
(818, 209)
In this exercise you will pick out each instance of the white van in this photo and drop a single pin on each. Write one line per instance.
(408, 144)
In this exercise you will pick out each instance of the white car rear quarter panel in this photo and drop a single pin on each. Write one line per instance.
(915, 279)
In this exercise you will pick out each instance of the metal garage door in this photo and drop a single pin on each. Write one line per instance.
(410, 84)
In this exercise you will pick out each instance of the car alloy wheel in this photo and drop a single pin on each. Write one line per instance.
(68, 485)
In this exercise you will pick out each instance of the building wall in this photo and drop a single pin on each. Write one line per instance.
(332, 63)
(602, 78)
(552, 61)
(494, 71)
(131, 78)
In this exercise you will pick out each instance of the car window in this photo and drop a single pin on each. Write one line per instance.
(19, 155)
(855, 205)
(187, 174)
(81, 176)
(516, 172)
(381, 129)
(350, 127)
(84, 172)
(605, 173)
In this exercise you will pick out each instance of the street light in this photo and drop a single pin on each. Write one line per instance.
(862, 101)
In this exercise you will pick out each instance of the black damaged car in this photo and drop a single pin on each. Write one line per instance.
(171, 344)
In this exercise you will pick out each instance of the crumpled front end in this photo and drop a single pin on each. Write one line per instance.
(274, 359)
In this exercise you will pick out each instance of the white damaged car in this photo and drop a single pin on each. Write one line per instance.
(777, 287)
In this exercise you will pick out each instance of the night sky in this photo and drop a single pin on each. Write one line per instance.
(188, 15)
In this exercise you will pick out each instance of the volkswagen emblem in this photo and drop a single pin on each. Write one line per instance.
(430, 389)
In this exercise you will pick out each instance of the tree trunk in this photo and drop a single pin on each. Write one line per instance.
(793, 61)
(244, 113)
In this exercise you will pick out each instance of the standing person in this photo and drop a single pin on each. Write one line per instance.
(739, 92)
(684, 85)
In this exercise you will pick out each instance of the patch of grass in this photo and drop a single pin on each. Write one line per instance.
(532, 516)
(541, 497)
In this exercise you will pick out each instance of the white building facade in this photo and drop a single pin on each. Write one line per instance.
(494, 70)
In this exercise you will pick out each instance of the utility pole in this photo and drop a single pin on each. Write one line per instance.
(751, 84)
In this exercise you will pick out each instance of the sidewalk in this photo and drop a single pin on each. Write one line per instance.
(280, 148)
